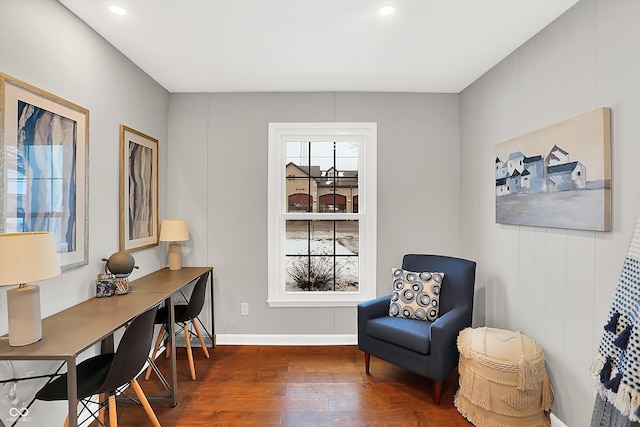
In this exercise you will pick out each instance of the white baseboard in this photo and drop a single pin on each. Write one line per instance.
(555, 422)
(286, 339)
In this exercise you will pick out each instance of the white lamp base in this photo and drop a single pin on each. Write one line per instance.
(25, 322)
(175, 256)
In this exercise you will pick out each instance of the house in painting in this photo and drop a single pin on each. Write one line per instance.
(501, 169)
(515, 162)
(513, 182)
(566, 176)
(522, 174)
(557, 156)
(501, 186)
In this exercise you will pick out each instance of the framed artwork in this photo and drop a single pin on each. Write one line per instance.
(138, 190)
(558, 176)
(44, 142)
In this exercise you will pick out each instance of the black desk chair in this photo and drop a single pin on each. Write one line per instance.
(185, 315)
(105, 373)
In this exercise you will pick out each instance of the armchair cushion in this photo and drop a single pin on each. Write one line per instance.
(416, 295)
(408, 333)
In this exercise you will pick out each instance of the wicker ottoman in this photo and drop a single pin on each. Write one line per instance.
(503, 380)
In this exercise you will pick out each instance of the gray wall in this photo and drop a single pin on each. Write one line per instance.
(555, 285)
(218, 180)
(45, 45)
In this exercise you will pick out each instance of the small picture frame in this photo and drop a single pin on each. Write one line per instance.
(138, 190)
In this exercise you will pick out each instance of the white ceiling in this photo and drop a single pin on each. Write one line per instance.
(317, 45)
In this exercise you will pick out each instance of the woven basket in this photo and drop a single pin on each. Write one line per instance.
(503, 380)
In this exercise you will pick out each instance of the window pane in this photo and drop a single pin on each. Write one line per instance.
(299, 194)
(297, 238)
(347, 236)
(332, 203)
(347, 274)
(322, 237)
(322, 176)
(346, 156)
(322, 255)
(296, 270)
(315, 273)
(322, 155)
(295, 153)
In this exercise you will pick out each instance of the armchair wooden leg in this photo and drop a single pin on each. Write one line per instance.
(367, 362)
(155, 351)
(437, 391)
(145, 403)
(113, 415)
(204, 347)
(189, 352)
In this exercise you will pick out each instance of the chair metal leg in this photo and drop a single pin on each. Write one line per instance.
(189, 353)
(367, 362)
(113, 415)
(155, 351)
(145, 402)
(204, 347)
(437, 391)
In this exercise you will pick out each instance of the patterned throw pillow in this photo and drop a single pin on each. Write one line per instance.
(416, 295)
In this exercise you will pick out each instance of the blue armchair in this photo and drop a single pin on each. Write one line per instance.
(426, 348)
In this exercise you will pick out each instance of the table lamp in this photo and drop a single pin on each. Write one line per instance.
(174, 231)
(26, 257)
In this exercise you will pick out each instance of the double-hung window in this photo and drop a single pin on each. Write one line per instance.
(322, 213)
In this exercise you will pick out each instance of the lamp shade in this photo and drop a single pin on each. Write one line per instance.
(174, 230)
(27, 257)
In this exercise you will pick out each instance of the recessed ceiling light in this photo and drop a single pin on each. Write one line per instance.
(386, 11)
(117, 10)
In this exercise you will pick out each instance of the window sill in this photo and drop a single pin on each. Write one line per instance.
(318, 303)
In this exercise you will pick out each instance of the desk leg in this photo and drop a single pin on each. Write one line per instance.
(72, 391)
(172, 352)
(213, 326)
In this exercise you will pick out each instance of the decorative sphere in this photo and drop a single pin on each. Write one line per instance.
(121, 263)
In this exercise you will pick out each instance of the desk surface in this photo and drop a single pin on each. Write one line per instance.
(166, 280)
(71, 331)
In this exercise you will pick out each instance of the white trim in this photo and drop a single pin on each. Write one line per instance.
(366, 134)
(286, 339)
(325, 302)
(555, 422)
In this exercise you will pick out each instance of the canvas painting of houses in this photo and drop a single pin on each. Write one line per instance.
(558, 176)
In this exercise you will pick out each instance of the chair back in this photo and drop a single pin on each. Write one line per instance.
(196, 300)
(132, 352)
(459, 278)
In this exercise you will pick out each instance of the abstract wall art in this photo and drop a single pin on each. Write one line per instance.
(558, 176)
(138, 190)
(43, 167)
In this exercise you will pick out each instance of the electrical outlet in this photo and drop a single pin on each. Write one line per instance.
(244, 308)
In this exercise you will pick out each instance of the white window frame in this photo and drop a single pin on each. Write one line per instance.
(366, 134)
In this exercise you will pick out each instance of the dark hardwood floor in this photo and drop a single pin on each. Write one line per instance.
(296, 387)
